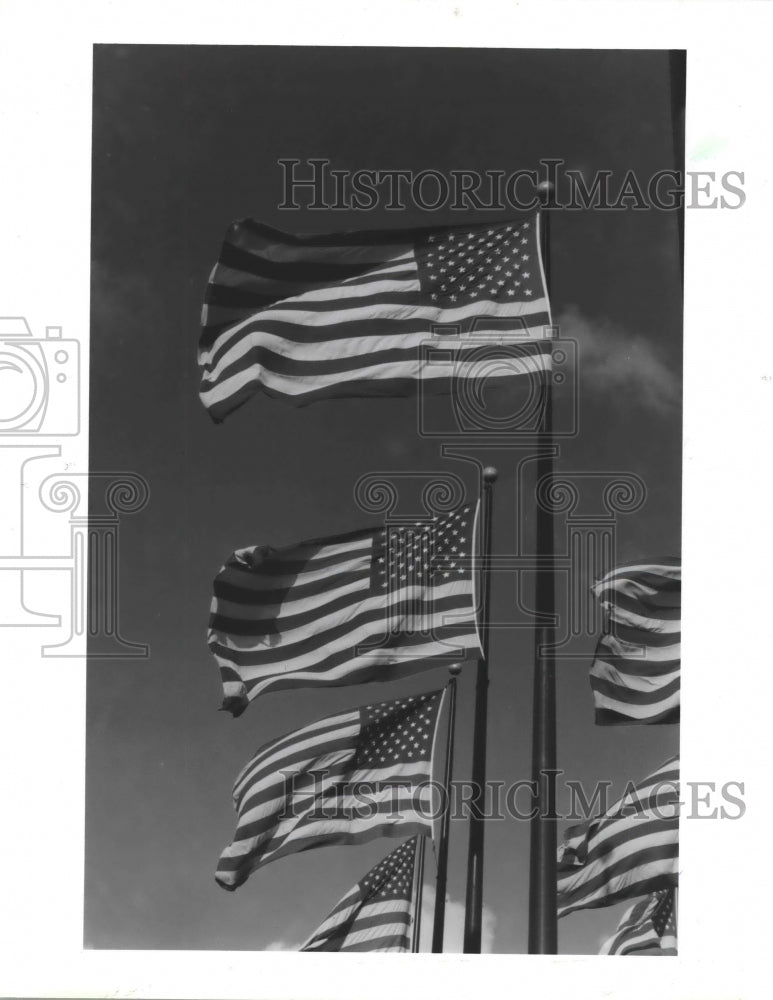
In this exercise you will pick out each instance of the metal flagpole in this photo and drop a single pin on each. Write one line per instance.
(543, 924)
(418, 893)
(441, 880)
(473, 909)
(677, 66)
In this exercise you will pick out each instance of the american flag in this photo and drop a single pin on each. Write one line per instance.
(649, 923)
(345, 779)
(375, 914)
(630, 850)
(635, 675)
(370, 605)
(351, 314)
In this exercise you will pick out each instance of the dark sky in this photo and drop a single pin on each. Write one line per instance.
(185, 140)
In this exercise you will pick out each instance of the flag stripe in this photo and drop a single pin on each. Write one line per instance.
(342, 780)
(635, 676)
(346, 609)
(631, 849)
(376, 914)
(301, 319)
(649, 923)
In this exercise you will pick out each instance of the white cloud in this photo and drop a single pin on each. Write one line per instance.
(282, 945)
(453, 939)
(613, 361)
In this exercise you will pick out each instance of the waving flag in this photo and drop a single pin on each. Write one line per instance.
(354, 314)
(376, 914)
(346, 779)
(370, 605)
(649, 923)
(632, 849)
(635, 676)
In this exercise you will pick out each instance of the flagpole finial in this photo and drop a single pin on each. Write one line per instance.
(546, 191)
(490, 474)
(455, 669)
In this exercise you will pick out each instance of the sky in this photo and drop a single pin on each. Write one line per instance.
(187, 139)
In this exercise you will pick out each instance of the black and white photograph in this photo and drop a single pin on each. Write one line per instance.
(369, 485)
(344, 539)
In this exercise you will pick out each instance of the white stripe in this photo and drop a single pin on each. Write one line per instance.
(415, 368)
(634, 711)
(356, 636)
(652, 869)
(319, 762)
(258, 612)
(404, 264)
(324, 828)
(314, 742)
(456, 649)
(309, 798)
(393, 614)
(263, 581)
(290, 830)
(350, 346)
(345, 290)
(437, 315)
(367, 909)
(243, 561)
(362, 935)
(570, 881)
(654, 569)
(622, 616)
(632, 917)
(335, 920)
(640, 651)
(632, 682)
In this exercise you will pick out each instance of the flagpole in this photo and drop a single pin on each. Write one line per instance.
(418, 893)
(543, 924)
(441, 879)
(473, 909)
(677, 67)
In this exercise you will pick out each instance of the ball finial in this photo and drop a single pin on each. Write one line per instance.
(546, 191)
(455, 669)
(490, 474)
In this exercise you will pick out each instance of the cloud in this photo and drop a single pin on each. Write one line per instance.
(453, 938)
(614, 361)
(454, 928)
(282, 945)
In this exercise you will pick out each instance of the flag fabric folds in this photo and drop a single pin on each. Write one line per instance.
(306, 317)
(371, 605)
(636, 673)
(345, 779)
(630, 850)
(376, 914)
(649, 923)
